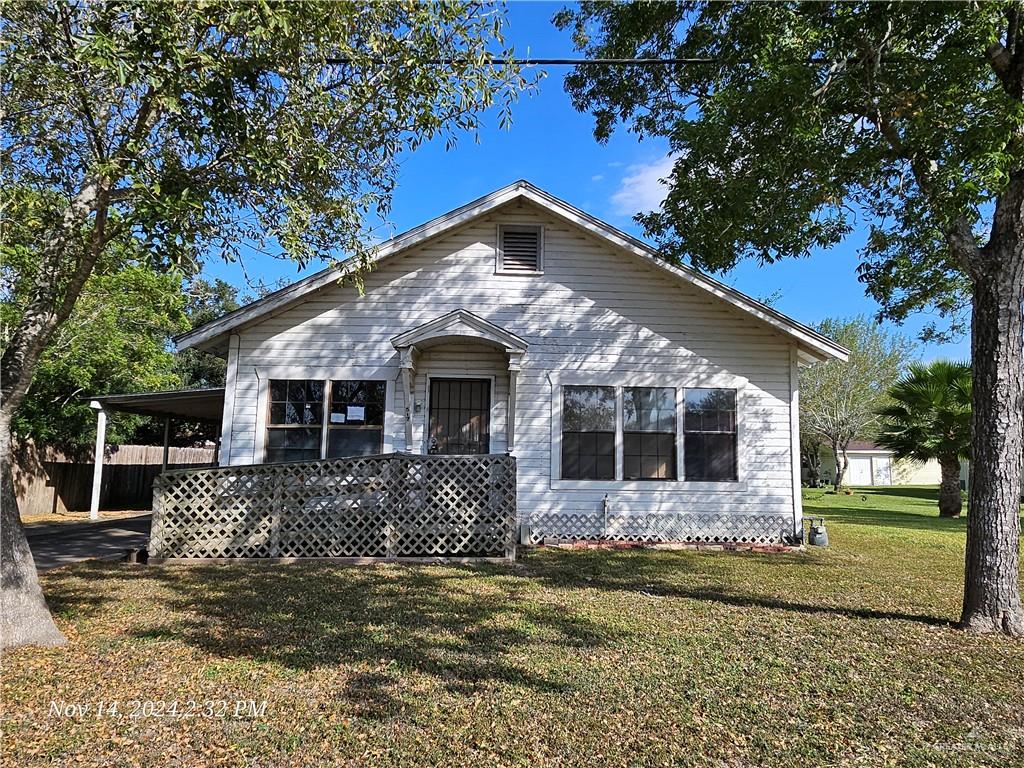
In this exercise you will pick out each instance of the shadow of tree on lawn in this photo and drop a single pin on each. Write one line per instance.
(704, 577)
(468, 627)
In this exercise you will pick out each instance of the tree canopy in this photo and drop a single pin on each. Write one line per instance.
(886, 115)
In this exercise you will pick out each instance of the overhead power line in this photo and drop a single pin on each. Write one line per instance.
(569, 62)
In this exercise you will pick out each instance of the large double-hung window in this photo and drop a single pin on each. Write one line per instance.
(636, 433)
(310, 419)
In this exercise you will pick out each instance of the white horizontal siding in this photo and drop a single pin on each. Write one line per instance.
(594, 310)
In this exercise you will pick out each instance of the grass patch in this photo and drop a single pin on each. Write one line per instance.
(570, 658)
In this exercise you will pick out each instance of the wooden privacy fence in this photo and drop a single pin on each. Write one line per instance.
(391, 505)
(48, 480)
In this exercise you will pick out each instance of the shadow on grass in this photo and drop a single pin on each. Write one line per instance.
(657, 574)
(468, 627)
(907, 520)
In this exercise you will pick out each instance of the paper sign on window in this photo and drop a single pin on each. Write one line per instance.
(337, 418)
(357, 413)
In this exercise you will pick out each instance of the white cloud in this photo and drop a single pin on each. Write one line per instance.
(597, 177)
(641, 188)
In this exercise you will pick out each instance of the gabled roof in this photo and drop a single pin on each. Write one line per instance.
(463, 324)
(811, 343)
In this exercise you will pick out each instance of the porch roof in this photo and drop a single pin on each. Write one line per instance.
(193, 404)
(460, 325)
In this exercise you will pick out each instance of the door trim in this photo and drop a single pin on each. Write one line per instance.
(440, 374)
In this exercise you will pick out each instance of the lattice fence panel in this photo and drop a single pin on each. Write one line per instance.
(394, 505)
(684, 527)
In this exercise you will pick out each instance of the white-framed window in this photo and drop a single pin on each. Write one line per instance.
(588, 433)
(649, 433)
(520, 249)
(310, 419)
(709, 435)
(645, 435)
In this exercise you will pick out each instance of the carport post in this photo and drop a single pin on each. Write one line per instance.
(167, 443)
(97, 465)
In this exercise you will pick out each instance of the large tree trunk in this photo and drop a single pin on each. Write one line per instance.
(24, 618)
(950, 500)
(992, 600)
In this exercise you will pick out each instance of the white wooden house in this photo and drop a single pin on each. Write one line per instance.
(640, 398)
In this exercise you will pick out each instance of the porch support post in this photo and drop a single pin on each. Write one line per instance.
(97, 465)
(514, 366)
(167, 443)
(408, 379)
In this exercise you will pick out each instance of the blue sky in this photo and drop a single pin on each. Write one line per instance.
(552, 145)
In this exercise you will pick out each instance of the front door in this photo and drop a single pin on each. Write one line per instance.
(460, 416)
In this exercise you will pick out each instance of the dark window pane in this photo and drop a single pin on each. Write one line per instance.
(313, 413)
(301, 437)
(299, 444)
(710, 456)
(570, 460)
(278, 390)
(588, 455)
(354, 442)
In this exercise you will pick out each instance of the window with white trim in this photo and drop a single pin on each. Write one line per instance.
(601, 424)
(649, 433)
(300, 410)
(588, 433)
(520, 249)
(709, 435)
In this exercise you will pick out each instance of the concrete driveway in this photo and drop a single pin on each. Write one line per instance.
(56, 545)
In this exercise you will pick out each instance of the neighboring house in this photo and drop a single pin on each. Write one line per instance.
(873, 465)
(640, 398)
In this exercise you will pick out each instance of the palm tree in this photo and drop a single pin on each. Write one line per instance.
(930, 418)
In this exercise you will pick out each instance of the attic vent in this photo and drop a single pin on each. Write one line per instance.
(520, 249)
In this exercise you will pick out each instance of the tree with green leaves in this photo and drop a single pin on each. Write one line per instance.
(205, 301)
(787, 122)
(839, 402)
(930, 418)
(115, 339)
(203, 129)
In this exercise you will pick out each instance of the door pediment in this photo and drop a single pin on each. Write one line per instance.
(459, 326)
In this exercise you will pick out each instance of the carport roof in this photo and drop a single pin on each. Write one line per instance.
(192, 404)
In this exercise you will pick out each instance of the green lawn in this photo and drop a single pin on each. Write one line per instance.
(570, 658)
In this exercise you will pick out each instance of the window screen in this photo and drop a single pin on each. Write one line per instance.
(295, 421)
(588, 433)
(709, 447)
(649, 433)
